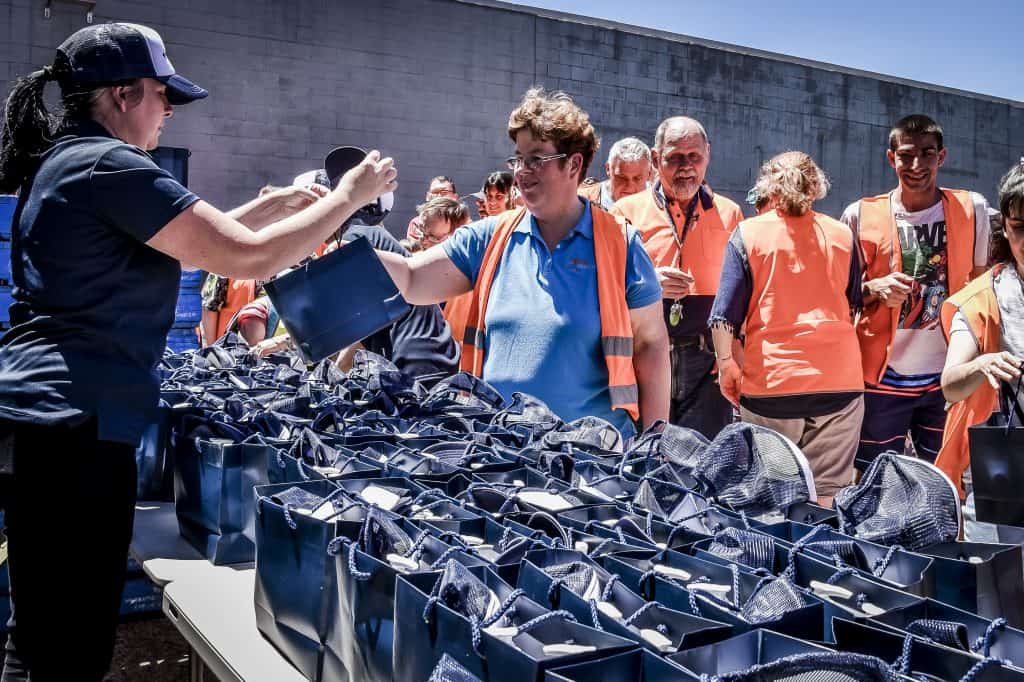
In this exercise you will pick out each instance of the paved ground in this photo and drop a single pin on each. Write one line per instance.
(149, 649)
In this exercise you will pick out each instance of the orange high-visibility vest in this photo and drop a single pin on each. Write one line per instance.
(882, 256)
(799, 335)
(616, 329)
(977, 302)
(240, 293)
(704, 248)
(456, 310)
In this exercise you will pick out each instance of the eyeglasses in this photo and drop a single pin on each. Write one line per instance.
(530, 163)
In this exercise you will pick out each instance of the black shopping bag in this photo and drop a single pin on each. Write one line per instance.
(632, 666)
(982, 578)
(294, 574)
(360, 634)
(213, 499)
(913, 656)
(893, 566)
(844, 593)
(333, 301)
(154, 457)
(959, 629)
(741, 652)
(446, 612)
(996, 466)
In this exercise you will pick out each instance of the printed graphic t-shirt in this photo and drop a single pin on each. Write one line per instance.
(919, 348)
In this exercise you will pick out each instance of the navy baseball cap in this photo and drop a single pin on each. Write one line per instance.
(107, 53)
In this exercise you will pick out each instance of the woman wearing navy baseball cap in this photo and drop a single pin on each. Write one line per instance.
(99, 234)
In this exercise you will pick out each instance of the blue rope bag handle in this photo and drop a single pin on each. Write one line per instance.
(798, 547)
(882, 564)
(984, 643)
(660, 627)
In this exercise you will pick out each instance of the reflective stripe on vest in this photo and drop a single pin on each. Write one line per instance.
(876, 329)
(798, 320)
(977, 302)
(610, 249)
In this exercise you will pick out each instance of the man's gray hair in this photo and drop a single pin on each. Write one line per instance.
(690, 125)
(629, 149)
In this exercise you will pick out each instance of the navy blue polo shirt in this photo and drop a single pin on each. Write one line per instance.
(543, 321)
(92, 303)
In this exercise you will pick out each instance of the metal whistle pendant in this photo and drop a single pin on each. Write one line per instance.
(675, 313)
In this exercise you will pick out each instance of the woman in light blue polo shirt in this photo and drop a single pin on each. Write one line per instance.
(543, 326)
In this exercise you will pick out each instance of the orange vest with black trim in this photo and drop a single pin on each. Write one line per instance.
(977, 302)
(704, 248)
(799, 334)
(610, 249)
(882, 256)
(241, 292)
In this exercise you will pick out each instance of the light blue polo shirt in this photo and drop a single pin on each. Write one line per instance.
(543, 321)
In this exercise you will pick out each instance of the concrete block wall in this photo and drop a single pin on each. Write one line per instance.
(431, 82)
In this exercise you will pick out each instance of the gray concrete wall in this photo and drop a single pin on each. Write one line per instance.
(431, 82)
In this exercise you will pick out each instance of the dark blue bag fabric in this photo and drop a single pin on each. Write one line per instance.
(959, 629)
(494, 632)
(319, 321)
(295, 577)
(741, 652)
(983, 578)
(213, 484)
(892, 566)
(360, 634)
(631, 666)
(914, 657)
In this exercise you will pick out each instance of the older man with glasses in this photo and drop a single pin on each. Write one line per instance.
(565, 302)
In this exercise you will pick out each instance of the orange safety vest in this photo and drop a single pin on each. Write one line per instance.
(704, 248)
(591, 191)
(977, 302)
(799, 335)
(879, 243)
(616, 329)
(456, 310)
(240, 293)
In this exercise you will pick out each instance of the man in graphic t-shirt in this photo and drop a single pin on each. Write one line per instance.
(921, 243)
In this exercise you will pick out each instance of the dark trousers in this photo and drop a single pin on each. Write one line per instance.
(70, 504)
(697, 401)
(890, 418)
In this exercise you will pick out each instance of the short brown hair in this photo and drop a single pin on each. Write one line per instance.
(556, 118)
(446, 209)
(915, 124)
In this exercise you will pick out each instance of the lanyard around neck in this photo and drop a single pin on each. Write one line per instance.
(691, 212)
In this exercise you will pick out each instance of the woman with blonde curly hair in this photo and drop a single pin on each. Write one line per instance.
(790, 284)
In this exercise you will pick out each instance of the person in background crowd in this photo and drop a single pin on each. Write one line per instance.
(920, 244)
(497, 191)
(984, 322)
(97, 240)
(790, 284)
(566, 304)
(439, 218)
(222, 297)
(441, 186)
(685, 227)
(628, 169)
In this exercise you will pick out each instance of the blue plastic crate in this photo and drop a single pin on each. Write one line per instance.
(189, 309)
(192, 280)
(140, 596)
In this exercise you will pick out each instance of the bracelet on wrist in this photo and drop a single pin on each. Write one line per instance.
(727, 357)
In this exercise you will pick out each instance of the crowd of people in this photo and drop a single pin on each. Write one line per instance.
(639, 298)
